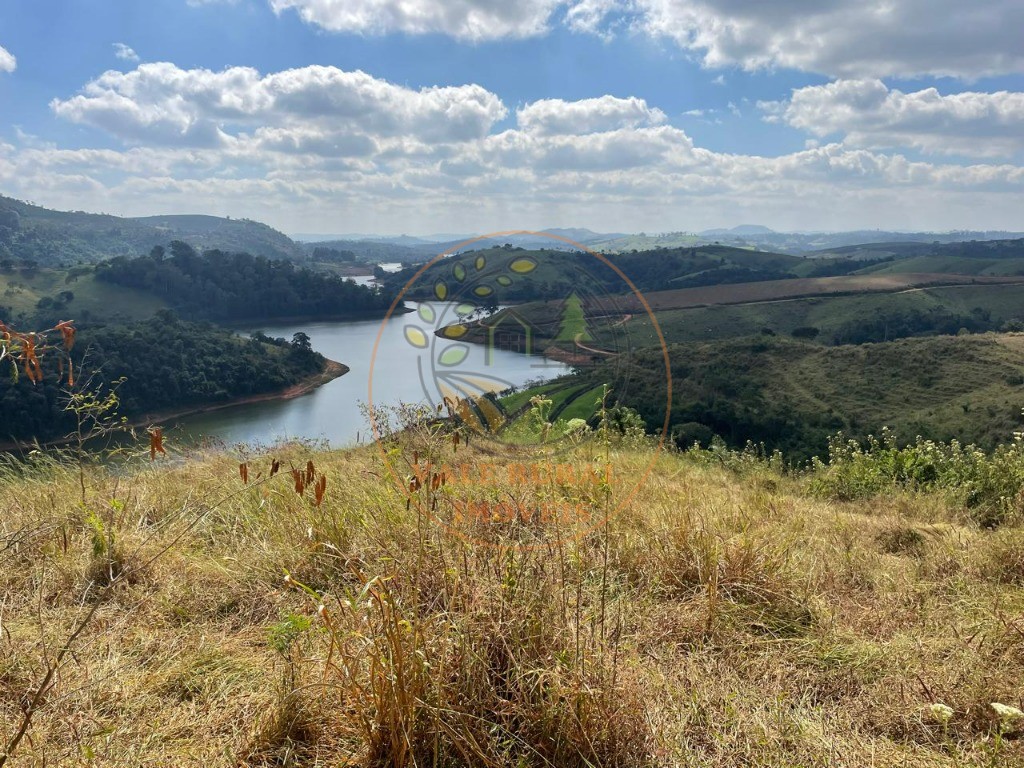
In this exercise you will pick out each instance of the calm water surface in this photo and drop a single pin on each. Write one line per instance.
(401, 373)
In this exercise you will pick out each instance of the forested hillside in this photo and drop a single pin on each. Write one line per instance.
(165, 364)
(49, 238)
(792, 395)
(556, 274)
(231, 287)
(136, 319)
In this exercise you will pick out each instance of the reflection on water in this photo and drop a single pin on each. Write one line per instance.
(332, 412)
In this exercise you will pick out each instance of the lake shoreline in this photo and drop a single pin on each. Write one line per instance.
(253, 324)
(332, 370)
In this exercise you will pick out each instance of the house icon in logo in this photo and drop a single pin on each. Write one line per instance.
(511, 332)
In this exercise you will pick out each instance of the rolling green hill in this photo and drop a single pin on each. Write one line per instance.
(982, 257)
(238, 287)
(50, 238)
(745, 274)
(737, 373)
(167, 365)
(848, 309)
(491, 273)
(45, 294)
(792, 395)
(898, 313)
(121, 310)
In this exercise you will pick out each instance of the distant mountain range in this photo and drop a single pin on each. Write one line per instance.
(756, 237)
(406, 240)
(793, 243)
(47, 237)
(412, 249)
(809, 242)
(741, 231)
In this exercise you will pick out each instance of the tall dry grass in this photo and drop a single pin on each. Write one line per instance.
(721, 617)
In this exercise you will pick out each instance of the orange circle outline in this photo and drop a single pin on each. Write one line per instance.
(399, 299)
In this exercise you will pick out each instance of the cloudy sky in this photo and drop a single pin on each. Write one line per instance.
(424, 116)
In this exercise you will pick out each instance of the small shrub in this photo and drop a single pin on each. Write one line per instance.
(692, 434)
(901, 539)
(1004, 558)
(805, 332)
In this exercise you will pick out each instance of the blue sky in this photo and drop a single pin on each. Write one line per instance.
(479, 115)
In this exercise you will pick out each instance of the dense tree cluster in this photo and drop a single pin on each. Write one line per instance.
(900, 324)
(332, 255)
(166, 363)
(232, 287)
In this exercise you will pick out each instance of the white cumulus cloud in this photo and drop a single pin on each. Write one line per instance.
(163, 104)
(7, 61)
(125, 52)
(472, 20)
(842, 38)
(866, 113)
(318, 148)
(607, 113)
(846, 38)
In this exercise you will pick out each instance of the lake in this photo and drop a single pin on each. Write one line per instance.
(402, 373)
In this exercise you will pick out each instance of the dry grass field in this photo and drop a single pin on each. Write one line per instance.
(724, 615)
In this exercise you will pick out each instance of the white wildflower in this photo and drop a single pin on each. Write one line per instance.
(941, 713)
(1006, 713)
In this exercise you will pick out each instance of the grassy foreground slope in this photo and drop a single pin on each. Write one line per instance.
(724, 617)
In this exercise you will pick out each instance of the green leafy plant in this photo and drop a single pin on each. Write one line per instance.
(990, 485)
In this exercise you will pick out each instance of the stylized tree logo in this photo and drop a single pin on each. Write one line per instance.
(456, 337)
(574, 321)
(437, 328)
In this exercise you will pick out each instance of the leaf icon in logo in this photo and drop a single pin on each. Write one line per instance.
(465, 309)
(441, 291)
(459, 272)
(481, 262)
(504, 280)
(483, 290)
(454, 331)
(426, 313)
(454, 354)
(416, 337)
(522, 266)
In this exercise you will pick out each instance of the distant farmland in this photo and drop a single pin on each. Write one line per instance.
(779, 290)
(826, 303)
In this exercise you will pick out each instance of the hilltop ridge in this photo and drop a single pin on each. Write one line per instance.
(49, 237)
